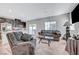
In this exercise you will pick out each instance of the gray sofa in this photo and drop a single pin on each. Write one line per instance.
(21, 44)
(51, 33)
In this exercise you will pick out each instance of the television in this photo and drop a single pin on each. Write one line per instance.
(75, 14)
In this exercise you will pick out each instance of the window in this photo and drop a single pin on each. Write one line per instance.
(6, 26)
(50, 25)
(32, 29)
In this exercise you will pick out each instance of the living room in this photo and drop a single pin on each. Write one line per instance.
(37, 29)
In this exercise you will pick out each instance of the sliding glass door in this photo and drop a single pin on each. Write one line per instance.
(32, 29)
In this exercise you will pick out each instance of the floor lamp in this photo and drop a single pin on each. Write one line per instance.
(67, 25)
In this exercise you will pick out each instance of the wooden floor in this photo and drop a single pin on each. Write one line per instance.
(5, 49)
(55, 48)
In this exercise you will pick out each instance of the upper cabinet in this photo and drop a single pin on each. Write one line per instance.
(19, 23)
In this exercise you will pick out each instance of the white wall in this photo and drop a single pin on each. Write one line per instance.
(76, 31)
(60, 20)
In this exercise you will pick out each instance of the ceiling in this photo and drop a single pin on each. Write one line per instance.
(30, 11)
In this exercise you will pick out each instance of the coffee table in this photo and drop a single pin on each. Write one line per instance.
(49, 39)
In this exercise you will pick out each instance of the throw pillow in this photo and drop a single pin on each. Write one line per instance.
(26, 37)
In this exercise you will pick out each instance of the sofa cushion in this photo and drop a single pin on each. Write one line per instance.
(12, 38)
(18, 35)
(26, 37)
